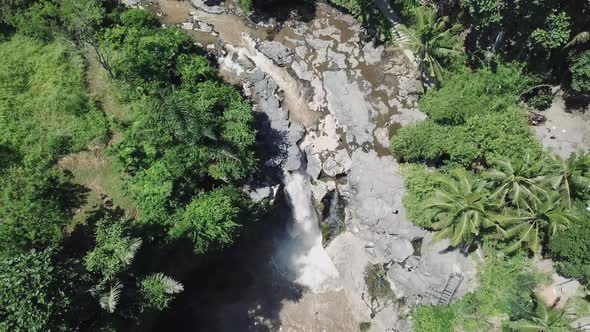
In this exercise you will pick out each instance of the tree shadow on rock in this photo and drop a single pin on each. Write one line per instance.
(237, 289)
(576, 102)
(270, 149)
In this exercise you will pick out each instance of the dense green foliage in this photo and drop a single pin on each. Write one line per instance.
(471, 119)
(433, 318)
(468, 94)
(420, 184)
(543, 318)
(580, 68)
(158, 289)
(183, 149)
(463, 208)
(45, 114)
(189, 136)
(31, 299)
(571, 250)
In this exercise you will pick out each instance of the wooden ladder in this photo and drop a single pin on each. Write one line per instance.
(448, 293)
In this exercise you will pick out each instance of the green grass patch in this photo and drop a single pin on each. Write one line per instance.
(43, 102)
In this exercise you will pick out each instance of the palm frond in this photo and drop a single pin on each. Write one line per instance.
(110, 300)
(580, 38)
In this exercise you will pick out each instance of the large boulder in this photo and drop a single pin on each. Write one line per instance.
(276, 51)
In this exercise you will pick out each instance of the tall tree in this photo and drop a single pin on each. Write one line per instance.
(433, 42)
(533, 228)
(463, 208)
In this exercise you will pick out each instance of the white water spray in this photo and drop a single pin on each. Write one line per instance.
(301, 255)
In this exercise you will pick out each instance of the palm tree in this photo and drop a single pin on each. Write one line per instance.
(571, 177)
(432, 42)
(543, 319)
(463, 208)
(521, 184)
(531, 228)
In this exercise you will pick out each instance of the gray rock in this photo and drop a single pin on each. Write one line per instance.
(338, 58)
(314, 165)
(400, 249)
(276, 51)
(262, 193)
(187, 26)
(294, 155)
(372, 54)
(337, 164)
(203, 27)
(131, 2)
(293, 161)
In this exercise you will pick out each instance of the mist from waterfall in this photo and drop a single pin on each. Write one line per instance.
(300, 255)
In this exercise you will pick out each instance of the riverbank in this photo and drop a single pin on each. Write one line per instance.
(328, 100)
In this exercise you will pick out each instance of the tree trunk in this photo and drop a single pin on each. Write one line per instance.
(102, 59)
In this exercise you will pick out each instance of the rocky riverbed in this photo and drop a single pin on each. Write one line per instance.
(327, 100)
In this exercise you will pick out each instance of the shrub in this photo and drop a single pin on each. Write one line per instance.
(114, 250)
(429, 141)
(157, 290)
(571, 249)
(210, 221)
(147, 56)
(555, 34)
(580, 69)
(140, 19)
(420, 185)
(31, 299)
(246, 6)
(482, 137)
(428, 318)
(506, 135)
(467, 94)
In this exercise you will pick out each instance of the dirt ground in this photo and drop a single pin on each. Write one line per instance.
(564, 132)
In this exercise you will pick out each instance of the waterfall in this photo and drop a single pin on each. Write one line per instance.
(300, 255)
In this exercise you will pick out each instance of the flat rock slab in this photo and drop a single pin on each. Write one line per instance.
(347, 103)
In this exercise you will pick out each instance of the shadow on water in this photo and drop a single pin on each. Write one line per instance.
(238, 289)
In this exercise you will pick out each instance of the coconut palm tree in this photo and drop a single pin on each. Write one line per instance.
(522, 184)
(463, 208)
(571, 177)
(432, 42)
(543, 319)
(533, 227)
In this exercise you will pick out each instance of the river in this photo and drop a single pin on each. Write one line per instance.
(335, 98)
